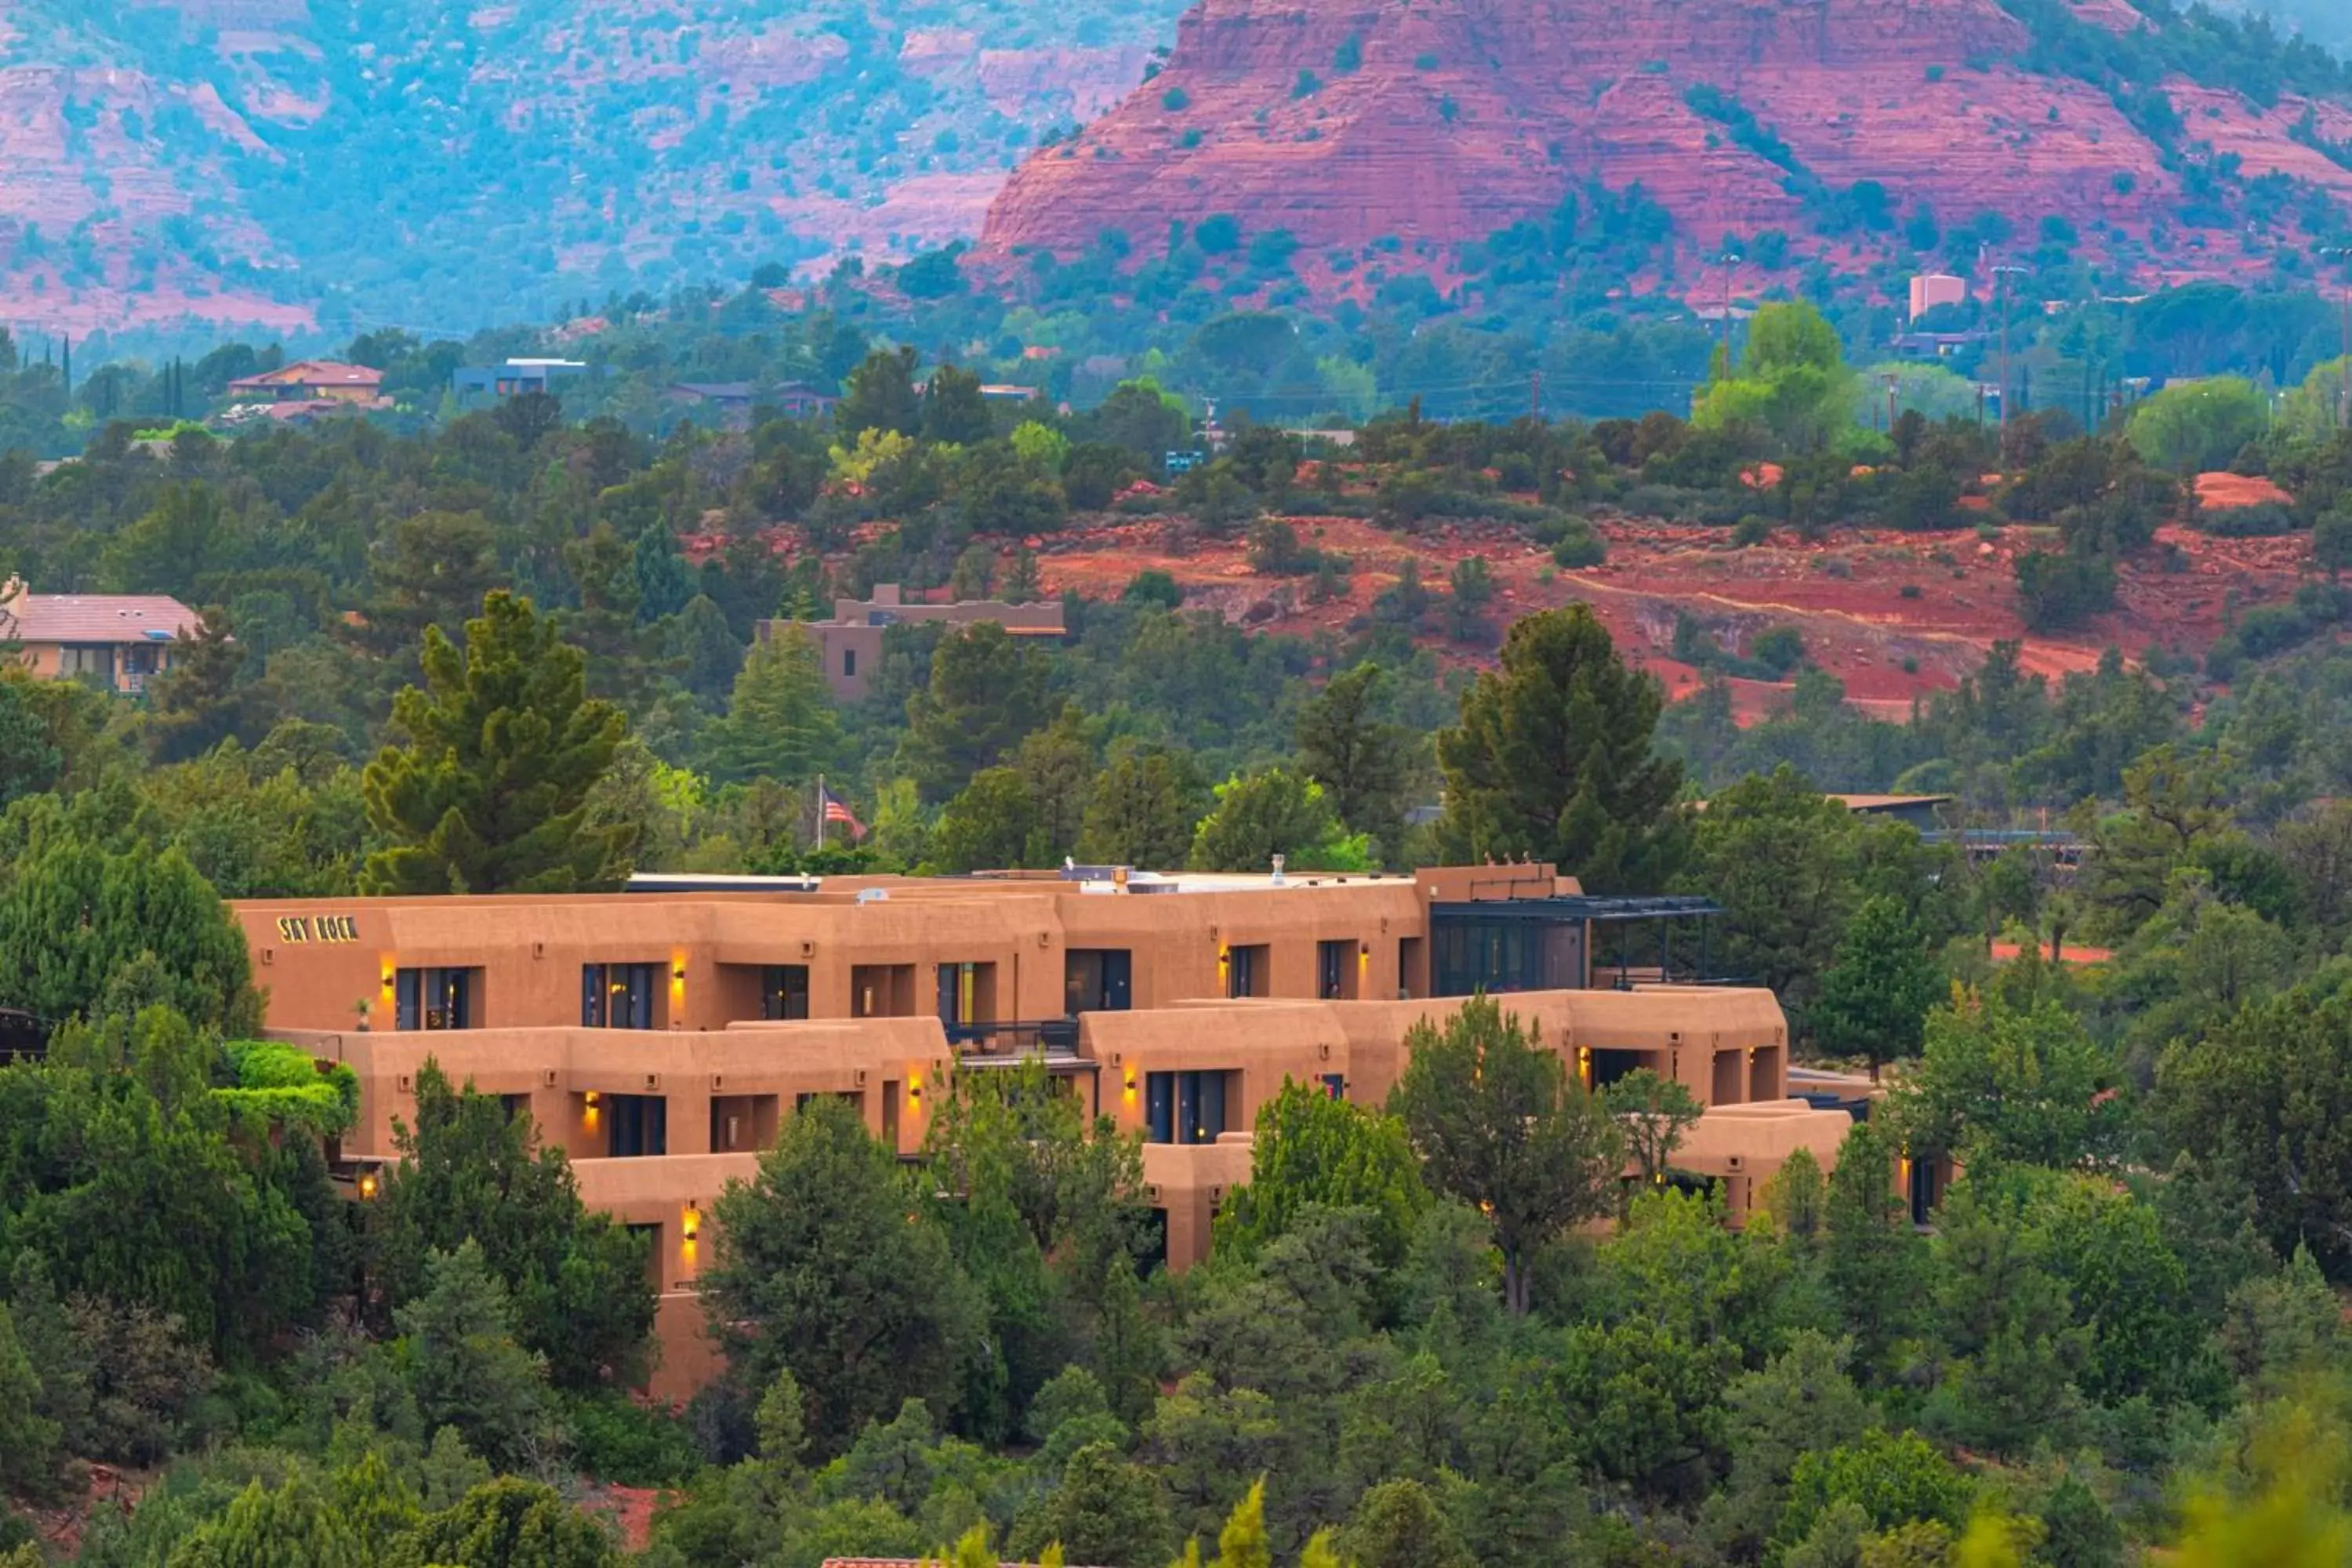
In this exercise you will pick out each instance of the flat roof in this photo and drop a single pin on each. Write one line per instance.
(879, 886)
(718, 882)
(1584, 907)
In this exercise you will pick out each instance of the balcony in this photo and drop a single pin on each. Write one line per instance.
(1052, 1040)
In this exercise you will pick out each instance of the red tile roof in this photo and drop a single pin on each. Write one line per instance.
(94, 619)
(311, 372)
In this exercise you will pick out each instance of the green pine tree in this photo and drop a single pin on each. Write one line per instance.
(1552, 760)
(780, 722)
(1874, 999)
(465, 1368)
(490, 793)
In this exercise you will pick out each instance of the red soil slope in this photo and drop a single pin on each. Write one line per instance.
(1893, 616)
(1464, 116)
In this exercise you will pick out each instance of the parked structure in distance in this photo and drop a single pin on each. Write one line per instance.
(516, 376)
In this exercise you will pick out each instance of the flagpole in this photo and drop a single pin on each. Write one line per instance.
(820, 811)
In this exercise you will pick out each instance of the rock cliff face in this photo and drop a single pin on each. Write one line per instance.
(1441, 121)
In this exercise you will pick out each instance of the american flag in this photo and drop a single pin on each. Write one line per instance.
(835, 809)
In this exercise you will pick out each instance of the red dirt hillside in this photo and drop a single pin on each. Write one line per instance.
(1891, 615)
(1464, 116)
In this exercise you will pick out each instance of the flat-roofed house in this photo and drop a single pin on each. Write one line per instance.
(661, 1037)
(120, 641)
(849, 645)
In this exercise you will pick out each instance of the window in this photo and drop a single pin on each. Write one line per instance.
(142, 658)
(741, 1124)
(849, 663)
(1188, 1106)
(1609, 1065)
(1335, 970)
(1097, 980)
(435, 998)
(1507, 952)
(1246, 971)
(967, 994)
(1924, 1193)
(649, 1237)
(617, 995)
(1335, 1084)
(882, 991)
(635, 1126)
(783, 991)
(1407, 965)
(93, 661)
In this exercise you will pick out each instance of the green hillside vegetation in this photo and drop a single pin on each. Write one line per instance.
(1418, 1340)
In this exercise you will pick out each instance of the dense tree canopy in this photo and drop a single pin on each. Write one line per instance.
(490, 793)
(2075, 1266)
(1552, 759)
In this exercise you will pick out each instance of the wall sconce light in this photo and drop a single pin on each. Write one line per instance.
(367, 1184)
(388, 978)
(915, 1089)
(1129, 1083)
(589, 1100)
(678, 972)
(689, 1223)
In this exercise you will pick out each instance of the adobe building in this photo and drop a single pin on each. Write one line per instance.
(660, 1035)
(849, 645)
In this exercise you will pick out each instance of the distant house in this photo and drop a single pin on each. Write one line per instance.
(1933, 346)
(1930, 289)
(516, 376)
(1003, 393)
(312, 381)
(1918, 810)
(118, 640)
(850, 644)
(799, 400)
(732, 399)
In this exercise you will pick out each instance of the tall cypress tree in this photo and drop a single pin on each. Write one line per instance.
(489, 795)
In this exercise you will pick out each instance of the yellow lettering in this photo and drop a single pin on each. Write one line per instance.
(289, 929)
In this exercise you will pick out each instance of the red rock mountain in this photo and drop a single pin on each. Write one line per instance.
(1442, 121)
(435, 165)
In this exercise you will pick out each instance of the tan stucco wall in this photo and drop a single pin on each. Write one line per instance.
(711, 1058)
(530, 950)
(556, 1069)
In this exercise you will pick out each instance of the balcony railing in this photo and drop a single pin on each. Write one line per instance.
(1055, 1039)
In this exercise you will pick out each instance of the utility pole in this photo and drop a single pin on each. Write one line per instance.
(2344, 366)
(1731, 259)
(2001, 275)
